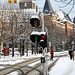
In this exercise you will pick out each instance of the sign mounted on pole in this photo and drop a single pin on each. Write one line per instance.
(15, 1)
(35, 21)
(6, 51)
(9, 1)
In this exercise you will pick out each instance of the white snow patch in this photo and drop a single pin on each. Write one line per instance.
(60, 14)
(13, 73)
(33, 64)
(64, 66)
(1, 67)
(35, 16)
(12, 62)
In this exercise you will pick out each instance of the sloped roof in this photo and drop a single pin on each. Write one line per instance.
(47, 7)
(66, 16)
(61, 14)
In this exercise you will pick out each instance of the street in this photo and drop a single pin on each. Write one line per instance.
(27, 65)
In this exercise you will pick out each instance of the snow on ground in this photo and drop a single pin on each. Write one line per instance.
(1, 66)
(16, 59)
(64, 66)
(59, 53)
(33, 64)
(13, 73)
(49, 62)
(12, 62)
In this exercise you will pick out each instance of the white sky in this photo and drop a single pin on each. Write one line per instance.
(54, 4)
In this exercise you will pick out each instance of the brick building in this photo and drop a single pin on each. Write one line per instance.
(25, 4)
(56, 29)
(69, 28)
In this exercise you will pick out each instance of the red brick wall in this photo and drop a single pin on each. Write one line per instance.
(47, 20)
(33, 5)
(69, 28)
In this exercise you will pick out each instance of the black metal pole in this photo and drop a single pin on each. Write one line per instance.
(32, 49)
(23, 48)
(12, 48)
(20, 48)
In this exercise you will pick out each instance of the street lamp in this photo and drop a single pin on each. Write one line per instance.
(49, 46)
(63, 45)
(72, 43)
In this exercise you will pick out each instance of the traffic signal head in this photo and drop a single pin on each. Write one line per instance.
(35, 21)
(43, 41)
(40, 37)
(35, 37)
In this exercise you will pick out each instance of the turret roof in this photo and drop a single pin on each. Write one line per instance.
(47, 7)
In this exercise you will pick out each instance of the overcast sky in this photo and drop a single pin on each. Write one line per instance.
(55, 5)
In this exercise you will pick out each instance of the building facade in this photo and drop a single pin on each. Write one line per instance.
(25, 4)
(69, 28)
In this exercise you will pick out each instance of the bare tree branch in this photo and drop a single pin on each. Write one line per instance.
(72, 7)
(64, 0)
(66, 4)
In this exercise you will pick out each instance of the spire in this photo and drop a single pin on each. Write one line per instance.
(47, 7)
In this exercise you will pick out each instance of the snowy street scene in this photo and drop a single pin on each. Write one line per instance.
(63, 66)
(37, 37)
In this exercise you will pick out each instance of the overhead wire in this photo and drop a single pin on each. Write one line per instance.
(66, 2)
(72, 7)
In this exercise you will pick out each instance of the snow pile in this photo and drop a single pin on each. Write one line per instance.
(59, 53)
(64, 66)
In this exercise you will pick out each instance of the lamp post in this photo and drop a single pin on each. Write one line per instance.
(49, 46)
(72, 43)
(20, 49)
(63, 45)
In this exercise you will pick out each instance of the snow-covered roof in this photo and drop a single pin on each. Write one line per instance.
(60, 14)
(63, 16)
(35, 16)
(68, 21)
(37, 33)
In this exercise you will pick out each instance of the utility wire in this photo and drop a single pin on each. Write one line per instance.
(66, 4)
